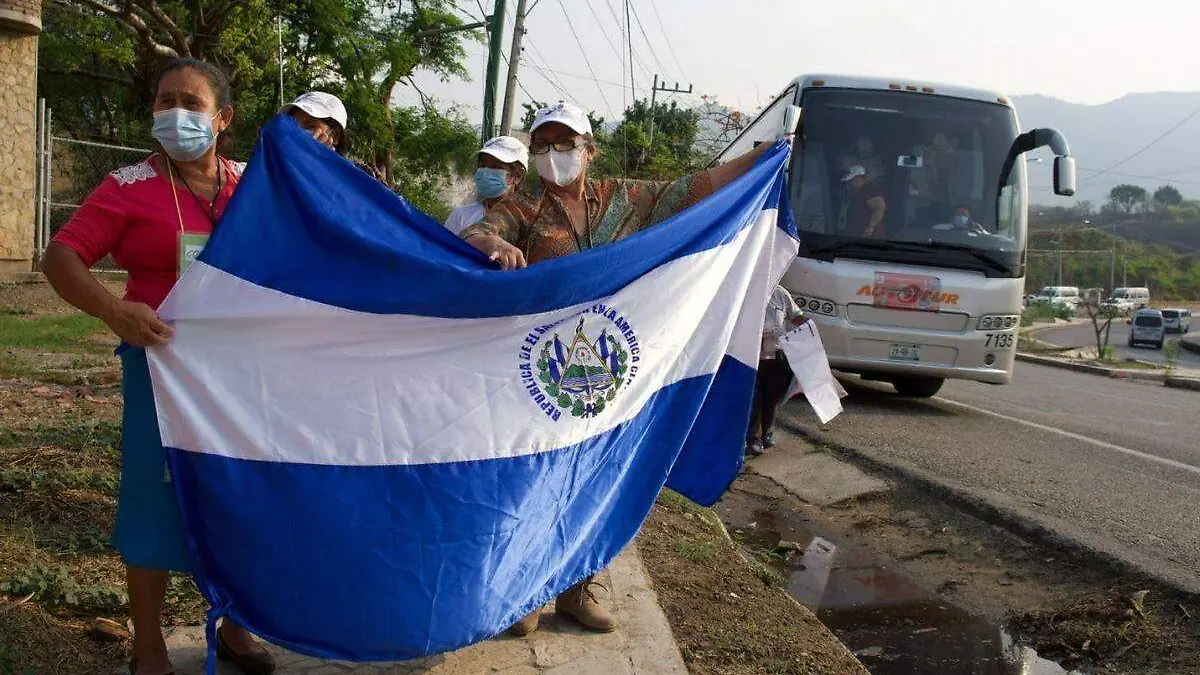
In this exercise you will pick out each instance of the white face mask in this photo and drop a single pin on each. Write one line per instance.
(561, 168)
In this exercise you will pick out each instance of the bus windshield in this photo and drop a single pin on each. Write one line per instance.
(905, 177)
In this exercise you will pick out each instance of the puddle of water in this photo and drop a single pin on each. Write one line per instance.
(891, 624)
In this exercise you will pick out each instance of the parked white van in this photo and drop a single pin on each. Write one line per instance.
(1129, 299)
(1060, 296)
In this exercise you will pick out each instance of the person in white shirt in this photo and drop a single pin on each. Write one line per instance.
(501, 166)
(774, 373)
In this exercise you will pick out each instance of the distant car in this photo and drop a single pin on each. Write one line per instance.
(1177, 320)
(1147, 328)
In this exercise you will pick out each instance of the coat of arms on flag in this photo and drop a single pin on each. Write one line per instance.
(583, 372)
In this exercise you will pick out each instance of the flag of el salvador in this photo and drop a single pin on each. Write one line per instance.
(385, 448)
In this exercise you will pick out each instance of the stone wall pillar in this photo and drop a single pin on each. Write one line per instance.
(20, 23)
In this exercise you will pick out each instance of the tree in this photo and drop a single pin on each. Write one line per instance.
(1127, 197)
(1167, 195)
(99, 58)
(1101, 317)
(432, 145)
(627, 151)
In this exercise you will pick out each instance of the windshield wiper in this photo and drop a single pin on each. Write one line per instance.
(843, 245)
(972, 251)
(914, 246)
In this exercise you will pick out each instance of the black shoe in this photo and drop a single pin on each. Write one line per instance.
(754, 448)
(769, 440)
(259, 662)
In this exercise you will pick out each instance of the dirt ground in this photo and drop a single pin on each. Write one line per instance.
(729, 617)
(1082, 613)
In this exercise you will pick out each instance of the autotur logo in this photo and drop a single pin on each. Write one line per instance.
(580, 372)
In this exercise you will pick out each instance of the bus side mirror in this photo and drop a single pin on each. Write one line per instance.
(791, 119)
(1064, 176)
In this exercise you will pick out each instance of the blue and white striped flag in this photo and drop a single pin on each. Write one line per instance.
(384, 448)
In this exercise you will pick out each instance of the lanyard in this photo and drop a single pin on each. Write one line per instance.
(211, 211)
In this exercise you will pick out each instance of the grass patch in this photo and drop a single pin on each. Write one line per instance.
(764, 573)
(694, 550)
(74, 435)
(71, 333)
(54, 586)
(1044, 312)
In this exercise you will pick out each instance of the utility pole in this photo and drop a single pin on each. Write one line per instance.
(1112, 268)
(654, 99)
(279, 29)
(514, 59)
(1060, 243)
(492, 78)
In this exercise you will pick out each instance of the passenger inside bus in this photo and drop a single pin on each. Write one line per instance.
(862, 153)
(863, 205)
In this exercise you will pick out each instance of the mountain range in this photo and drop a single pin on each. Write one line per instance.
(1103, 135)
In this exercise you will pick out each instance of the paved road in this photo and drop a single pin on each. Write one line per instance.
(1112, 463)
(1084, 336)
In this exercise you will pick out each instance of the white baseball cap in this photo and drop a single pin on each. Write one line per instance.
(854, 171)
(507, 149)
(321, 106)
(564, 113)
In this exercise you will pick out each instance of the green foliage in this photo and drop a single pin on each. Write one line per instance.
(55, 586)
(431, 148)
(1170, 274)
(1043, 312)
(1127, 197)
(1171, 352)
(699, 551)
(70, 333)
(1167, 195)
(76, 436)
(97, 65)
(627, 152)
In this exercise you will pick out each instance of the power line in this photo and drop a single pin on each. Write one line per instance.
(629, 39)
(663, 28)
(559, 84)
(636, 56)
(603, 32)
(642, 28)
(1146, 147)
(586, 60)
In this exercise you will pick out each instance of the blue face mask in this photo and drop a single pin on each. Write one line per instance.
(491, 183)
(185, 135)
(961, 220)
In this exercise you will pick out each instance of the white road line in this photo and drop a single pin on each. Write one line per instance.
(1079, 437)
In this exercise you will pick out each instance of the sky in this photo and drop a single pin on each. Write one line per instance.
(745, 52)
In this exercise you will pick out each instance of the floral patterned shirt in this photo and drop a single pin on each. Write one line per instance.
(616, 208)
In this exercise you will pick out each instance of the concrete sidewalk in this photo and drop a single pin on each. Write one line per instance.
(643, 645)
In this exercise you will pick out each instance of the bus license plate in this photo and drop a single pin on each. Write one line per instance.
(905, 352)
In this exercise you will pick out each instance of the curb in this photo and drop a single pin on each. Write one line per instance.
(1118, 373)
(1191, 383)
(1190, 345)
(979, 507)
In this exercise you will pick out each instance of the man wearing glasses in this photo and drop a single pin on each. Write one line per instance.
(574, 213)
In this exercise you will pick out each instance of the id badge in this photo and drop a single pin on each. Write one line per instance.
(190, 246)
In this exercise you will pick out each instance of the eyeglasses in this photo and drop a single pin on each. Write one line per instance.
(565, 145)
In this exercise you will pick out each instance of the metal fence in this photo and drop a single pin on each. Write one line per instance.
(68, 170)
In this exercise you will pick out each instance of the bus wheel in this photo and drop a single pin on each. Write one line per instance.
(917, 387)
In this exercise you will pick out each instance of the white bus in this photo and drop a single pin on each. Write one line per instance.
(910, 200)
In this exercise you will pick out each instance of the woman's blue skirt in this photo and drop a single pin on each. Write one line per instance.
(149, 531)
